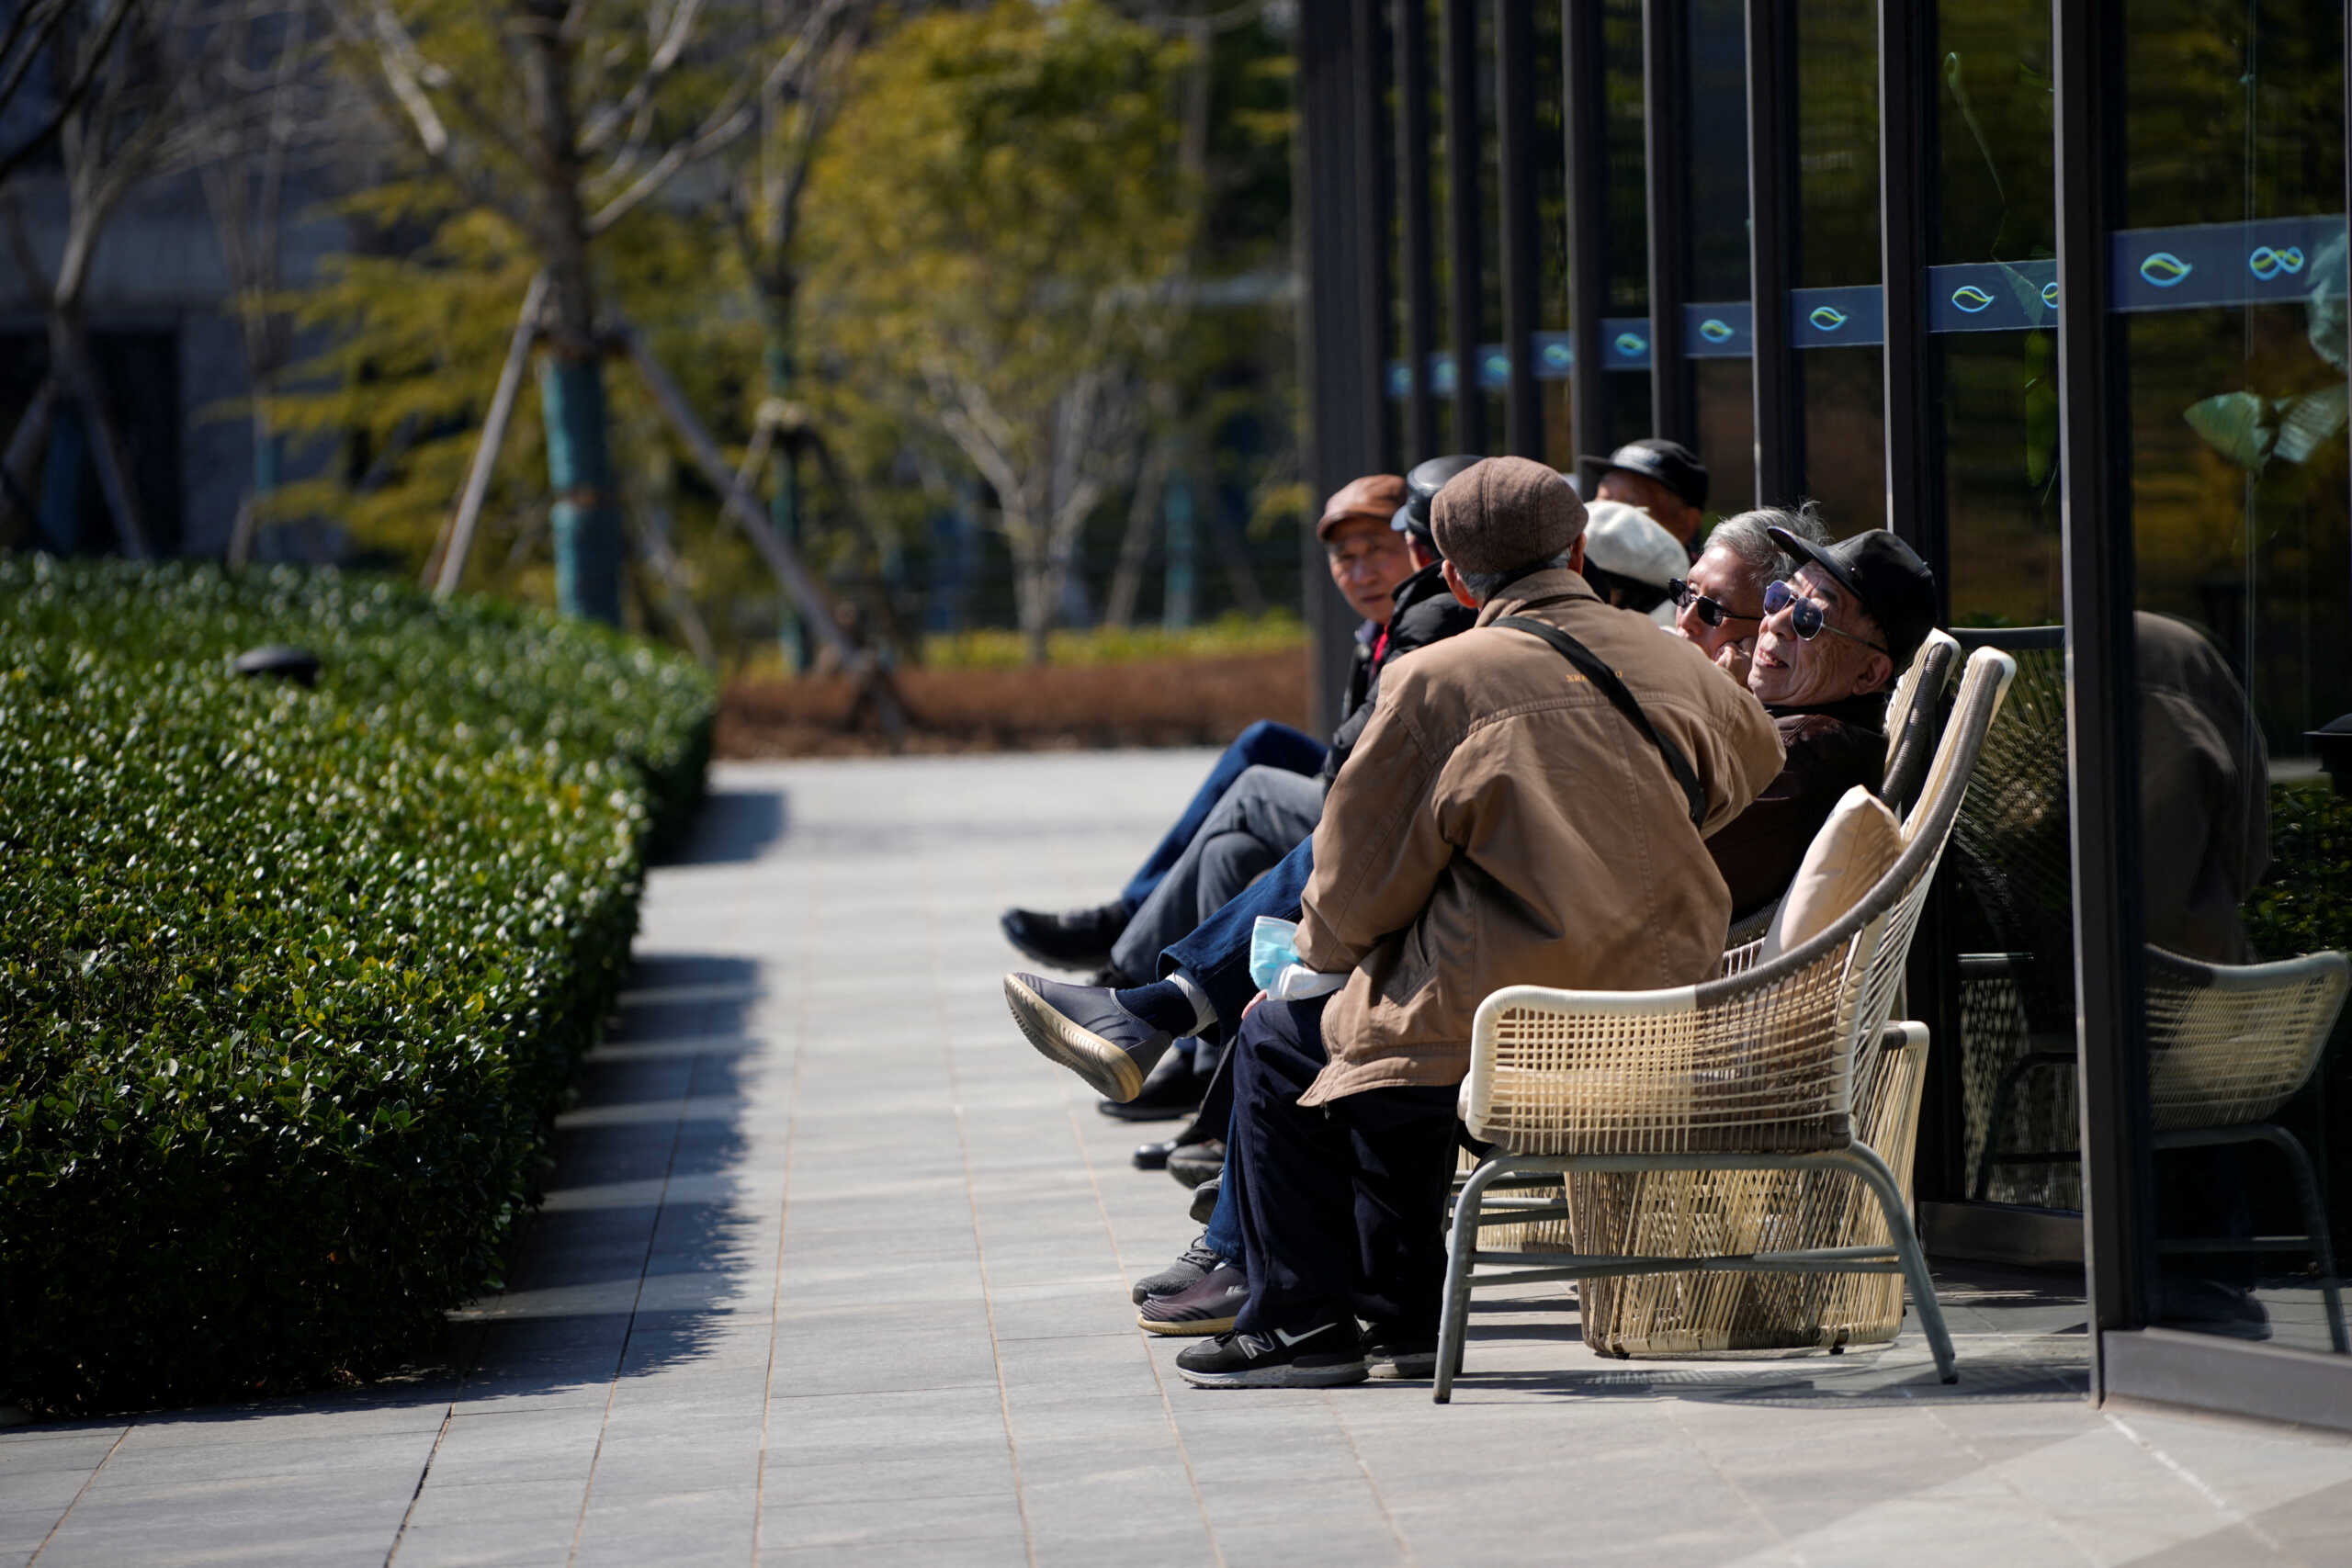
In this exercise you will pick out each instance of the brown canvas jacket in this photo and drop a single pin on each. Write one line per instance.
(1502, 823)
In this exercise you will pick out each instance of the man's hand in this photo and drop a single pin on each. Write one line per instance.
(1253, 1001)
(1734, 658)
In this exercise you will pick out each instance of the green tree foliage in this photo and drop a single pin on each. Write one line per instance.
(994, 225)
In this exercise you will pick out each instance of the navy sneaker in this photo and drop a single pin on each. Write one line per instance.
(1206, 1306)
(1323, 1355)
(1083, 1028)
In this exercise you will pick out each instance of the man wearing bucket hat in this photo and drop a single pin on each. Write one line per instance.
(1529, 804)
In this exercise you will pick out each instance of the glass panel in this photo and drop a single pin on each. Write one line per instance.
(1552, 234)
(2231, 330)
(1842, 388)
(1625, 199)
(1716, 270)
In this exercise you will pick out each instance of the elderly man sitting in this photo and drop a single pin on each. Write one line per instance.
(1529, 804)
(1820, 651)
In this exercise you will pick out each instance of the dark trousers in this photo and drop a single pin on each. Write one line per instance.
(1342, 1205)
(1264, 744)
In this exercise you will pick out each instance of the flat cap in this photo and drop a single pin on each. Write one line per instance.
(1504, 514)
(1376, 496)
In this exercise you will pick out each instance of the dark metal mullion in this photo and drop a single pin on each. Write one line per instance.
(1333, 318)
(1515, 137)
(1771, 249)
(1906, 82)
(2102, 740)
(1412, 54)
(1464, 219)
(1585, 124)
(1374, 238)
(1666, 109)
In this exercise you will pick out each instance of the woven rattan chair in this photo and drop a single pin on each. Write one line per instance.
(2228, 1044)
(1756, 1072)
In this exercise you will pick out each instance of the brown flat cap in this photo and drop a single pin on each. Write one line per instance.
(1376, 496)
(1504, 514)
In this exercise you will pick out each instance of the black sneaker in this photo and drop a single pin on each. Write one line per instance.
(1205, 1306)
(1191, 1264)
(1388, 1354)
(1170, 1090)
(1086, 1030)
(1074, 939)
(1325, 1356)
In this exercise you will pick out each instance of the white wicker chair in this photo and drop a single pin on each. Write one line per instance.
(2228, 1044)
(1752, 1072)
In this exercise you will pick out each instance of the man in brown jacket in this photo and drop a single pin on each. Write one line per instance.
(1503, 820)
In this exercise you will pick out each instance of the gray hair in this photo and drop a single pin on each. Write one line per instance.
(1745, 536)
(1484, 585)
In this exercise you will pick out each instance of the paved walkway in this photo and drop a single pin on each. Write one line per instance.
(834, 1270)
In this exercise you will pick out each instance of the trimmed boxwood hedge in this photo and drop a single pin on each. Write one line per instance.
(291, 980)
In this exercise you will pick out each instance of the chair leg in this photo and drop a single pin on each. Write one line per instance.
(2314, 1223)
(2004, 1092)
(1864, 1161)
(1461, 1248)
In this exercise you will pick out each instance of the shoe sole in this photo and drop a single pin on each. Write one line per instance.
(1294, 1376)
(1111, 1072)
(1403, 1367)
(1194, 1328)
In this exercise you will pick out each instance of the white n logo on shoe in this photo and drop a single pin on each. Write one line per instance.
(1291, 1341)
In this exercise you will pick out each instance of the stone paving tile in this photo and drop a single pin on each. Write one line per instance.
(834, 1270)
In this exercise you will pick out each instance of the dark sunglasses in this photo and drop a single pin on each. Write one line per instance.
(1714, 611)
(1805, 614)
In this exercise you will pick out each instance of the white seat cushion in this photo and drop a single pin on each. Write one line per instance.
(1855, 848)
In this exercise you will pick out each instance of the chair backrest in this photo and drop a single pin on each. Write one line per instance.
(1857, 964)
(1915, 720)
(2012, 839)
(2229, 1043)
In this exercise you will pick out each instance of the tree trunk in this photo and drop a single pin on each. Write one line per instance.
(1038, 586)
(571, 372)
(1135, 545)
(69, 350)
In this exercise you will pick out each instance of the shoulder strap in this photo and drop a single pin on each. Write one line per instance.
(1603, 677)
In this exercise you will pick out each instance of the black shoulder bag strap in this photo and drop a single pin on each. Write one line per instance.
(1603, 677)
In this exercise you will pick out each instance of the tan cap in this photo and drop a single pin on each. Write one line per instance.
(1376, 496)
(1504, 514)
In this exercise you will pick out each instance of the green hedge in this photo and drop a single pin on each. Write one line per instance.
(291, 980)
(2304, 904)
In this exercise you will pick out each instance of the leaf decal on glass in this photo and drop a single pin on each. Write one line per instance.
(1716, 330)
(1558, 357)
(1828, 318)
(1971, 298)
(2165, 269)
(1631, 343)
(2050, 294)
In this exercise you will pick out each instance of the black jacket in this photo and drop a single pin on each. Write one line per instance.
(1426, 612)
(1829, 750)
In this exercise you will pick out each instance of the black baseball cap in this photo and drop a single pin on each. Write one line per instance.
(1670, 463)
(1421, 491)
(1885, 576)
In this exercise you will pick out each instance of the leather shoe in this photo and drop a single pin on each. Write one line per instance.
(1086, 1030)
(1072, 939)
(1205, 1199)
(1192, 1164)
(1153, 1156)
(1170, 1090)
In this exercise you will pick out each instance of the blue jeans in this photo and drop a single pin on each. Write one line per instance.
(1216, 955)
(1264, 744)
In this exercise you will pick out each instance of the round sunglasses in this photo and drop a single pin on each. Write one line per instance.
(1805, 615)
(1714, 611)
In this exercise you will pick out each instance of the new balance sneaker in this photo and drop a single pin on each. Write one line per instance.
(1072, 939)
(1323, 1355)
(1205, 1306)
(1085, 1029)
(1191, 1264)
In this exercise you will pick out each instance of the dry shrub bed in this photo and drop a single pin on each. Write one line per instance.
(1193, 702)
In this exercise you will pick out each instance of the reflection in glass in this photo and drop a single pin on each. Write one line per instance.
(1845, 435)
(2239, 512)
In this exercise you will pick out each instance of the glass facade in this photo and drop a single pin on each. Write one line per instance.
(1834, 248)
